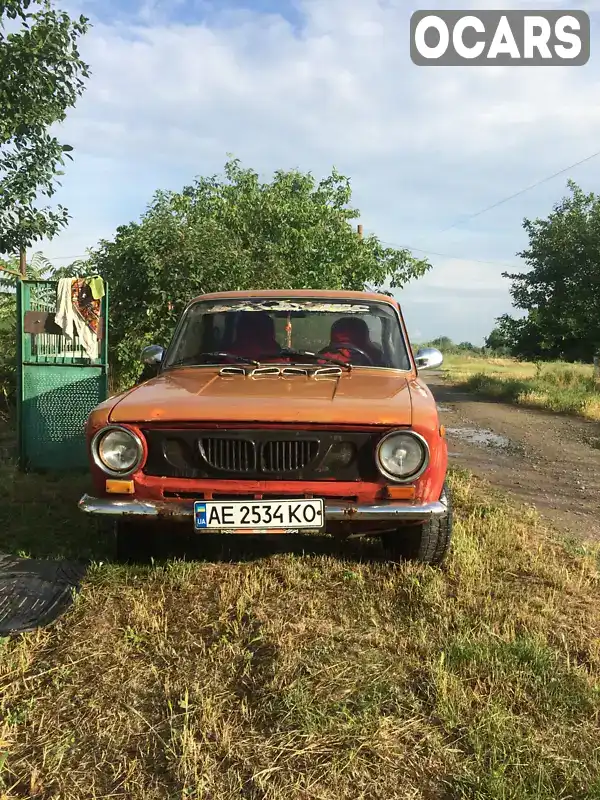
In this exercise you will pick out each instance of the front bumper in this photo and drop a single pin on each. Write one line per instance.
(334, 511)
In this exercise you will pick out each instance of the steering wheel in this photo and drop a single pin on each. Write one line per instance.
(338, 348)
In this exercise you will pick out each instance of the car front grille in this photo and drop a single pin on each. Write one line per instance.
(288, 456)
(243, 455)
(259, 454)
(229, 455)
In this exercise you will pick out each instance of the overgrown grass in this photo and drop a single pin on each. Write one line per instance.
(307, 675)
(557, 386)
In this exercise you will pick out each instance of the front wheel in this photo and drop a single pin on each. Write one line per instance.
(426, 542)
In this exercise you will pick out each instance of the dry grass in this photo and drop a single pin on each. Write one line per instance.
(556, 386)
(302, 676)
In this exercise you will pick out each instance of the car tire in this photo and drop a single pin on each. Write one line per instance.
(427, 543)
(134, 542)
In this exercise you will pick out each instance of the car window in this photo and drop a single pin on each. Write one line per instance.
(288, 331)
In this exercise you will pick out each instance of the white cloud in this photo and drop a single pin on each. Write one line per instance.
(175, 86)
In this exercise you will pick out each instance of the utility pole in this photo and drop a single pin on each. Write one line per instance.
(360, 231)
(23, 263)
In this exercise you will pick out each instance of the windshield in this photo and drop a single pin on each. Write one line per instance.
(295, 331)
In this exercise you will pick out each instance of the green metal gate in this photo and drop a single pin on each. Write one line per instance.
(58, 384)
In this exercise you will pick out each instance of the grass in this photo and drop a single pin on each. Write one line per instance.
(555, 386)
(264, 672)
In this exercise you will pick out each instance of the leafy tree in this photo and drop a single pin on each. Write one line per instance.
(42, 77)
(497, 339)
(236, 232)
(39, 268)
(520, 338)
(443, 343)
(447, 346)
(498, 343)
(561, 290)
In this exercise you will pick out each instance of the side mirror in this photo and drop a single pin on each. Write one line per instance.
(428, 358)
(153, 355)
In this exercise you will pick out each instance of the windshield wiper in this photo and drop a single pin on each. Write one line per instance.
(307, 354)
(217, 358)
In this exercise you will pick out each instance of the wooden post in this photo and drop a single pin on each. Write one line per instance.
(597, 367)
(360, 231)
(10, 271)
(23, 263)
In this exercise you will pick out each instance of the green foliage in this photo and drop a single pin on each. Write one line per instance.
(38, 269)
(236, 232)
(498, 339)
(445, 345)
(42, 76)
(553, 386)
(561, 289)
(519, 338)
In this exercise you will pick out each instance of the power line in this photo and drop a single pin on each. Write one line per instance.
(517, 194)
(450, 227)
(450, 255)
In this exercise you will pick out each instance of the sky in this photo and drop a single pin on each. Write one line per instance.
(177, 85)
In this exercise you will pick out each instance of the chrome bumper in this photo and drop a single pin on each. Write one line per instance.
(334, 511)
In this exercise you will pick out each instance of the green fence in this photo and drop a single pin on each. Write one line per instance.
(58, 384)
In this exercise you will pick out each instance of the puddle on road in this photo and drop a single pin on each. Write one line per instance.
(479, 436)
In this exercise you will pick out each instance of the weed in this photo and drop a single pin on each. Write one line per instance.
(307, 676)
(559, 387)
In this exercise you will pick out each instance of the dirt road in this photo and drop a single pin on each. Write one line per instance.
(542, 459)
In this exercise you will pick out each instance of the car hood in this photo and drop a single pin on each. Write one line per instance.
(363, 396)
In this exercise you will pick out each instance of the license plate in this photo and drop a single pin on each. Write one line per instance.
(272, 515)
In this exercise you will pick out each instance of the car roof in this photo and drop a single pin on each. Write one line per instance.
(326, 294)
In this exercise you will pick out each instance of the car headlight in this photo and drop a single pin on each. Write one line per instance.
(117, 451)
(402, 455)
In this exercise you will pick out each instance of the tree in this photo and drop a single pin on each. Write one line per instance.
(496, 340)
(236, 232)
(444, 344)
(561, 290)
(39, 268)
(42, 77)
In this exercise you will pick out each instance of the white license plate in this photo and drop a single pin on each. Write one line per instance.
(259, 515)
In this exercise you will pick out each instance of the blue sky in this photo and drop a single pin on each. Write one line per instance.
(178, 84)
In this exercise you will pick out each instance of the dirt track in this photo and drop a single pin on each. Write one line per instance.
(542, 459)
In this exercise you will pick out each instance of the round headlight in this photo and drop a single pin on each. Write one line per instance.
(118, 451)
(402, 456)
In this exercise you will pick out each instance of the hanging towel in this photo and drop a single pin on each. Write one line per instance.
(86, 316)
(76, 308)
(97, 287)
(64, 316)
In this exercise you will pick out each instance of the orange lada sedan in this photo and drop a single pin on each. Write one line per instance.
(273, 412)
